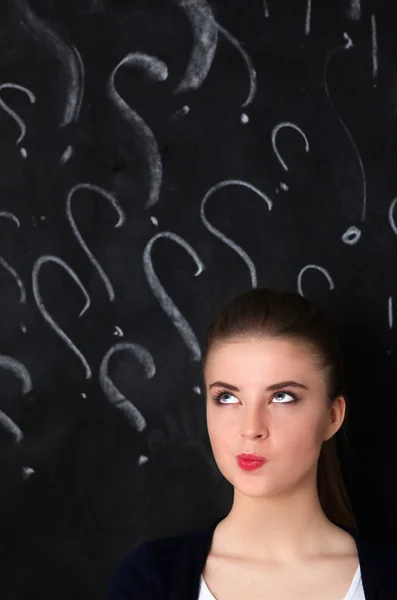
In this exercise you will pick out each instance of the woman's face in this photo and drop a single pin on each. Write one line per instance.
(252, 408)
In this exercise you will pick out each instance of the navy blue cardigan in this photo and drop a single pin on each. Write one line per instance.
(170, 568)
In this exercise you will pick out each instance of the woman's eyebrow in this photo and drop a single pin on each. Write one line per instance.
(228, 386)
(274, 386)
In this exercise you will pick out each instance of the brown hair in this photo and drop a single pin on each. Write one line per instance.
(284, 314)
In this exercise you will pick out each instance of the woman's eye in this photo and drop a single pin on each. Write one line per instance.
(279, 396)
(223, 397)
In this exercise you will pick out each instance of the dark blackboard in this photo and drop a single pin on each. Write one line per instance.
(157, 158)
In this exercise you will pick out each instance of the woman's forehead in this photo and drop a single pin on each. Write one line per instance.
(262, 359)
(261, 349)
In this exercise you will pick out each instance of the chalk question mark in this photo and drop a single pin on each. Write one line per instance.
(318, 268)
(182, 326)
(205, 31)
(20, 371)
(352, 233)
(155, 70)
(275, 131)
(121, 218)
(72, 63)
(14, 115)
(41, 306)
(205, 41)
(233, 182)
(132, 414)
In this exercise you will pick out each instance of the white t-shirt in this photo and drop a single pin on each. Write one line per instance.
(355, 591)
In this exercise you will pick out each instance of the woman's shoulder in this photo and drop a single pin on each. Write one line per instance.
(151, 550)
(369, 544)
(147, 554)
(169, 547)
(146, 569)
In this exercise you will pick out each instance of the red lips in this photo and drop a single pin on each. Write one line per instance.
(250, 462)
(251, 456)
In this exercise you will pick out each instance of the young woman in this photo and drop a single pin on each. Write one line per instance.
(273, 374)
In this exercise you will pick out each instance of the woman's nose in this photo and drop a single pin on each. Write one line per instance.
(255, 423)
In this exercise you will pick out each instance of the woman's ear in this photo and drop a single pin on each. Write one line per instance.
(336, 416)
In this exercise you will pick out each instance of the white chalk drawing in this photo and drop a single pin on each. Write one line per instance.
(227, 182)
(40, 304)
(275, 131)
(354, 10)
(156, 70)
(347, 46)
(374, 37)
(205, 40)
(266, 9)
(20, 371)
(7, 267)
(121, 218)
(392, 222)
(351, 235)
(67, 54)
(22, 291)
(9, 425)
(27, 472)
(132, 414)
(67, 155)
(14, 115)
(308, 18)
(168, 306)
(118, 331)
(390, 312)
(5, 214)
(181, 112)
(248, 62)
(205, 35)
(321, 269)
